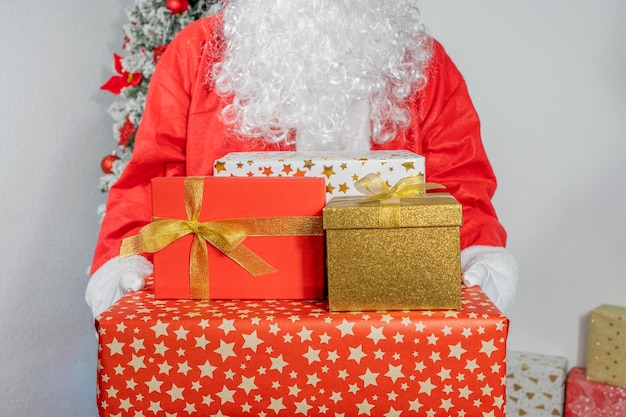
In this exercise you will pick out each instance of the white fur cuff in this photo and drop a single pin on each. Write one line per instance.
(495, 270)
(114, 279)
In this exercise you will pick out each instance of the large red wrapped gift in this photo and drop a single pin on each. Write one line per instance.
(290, 358)
(584, 398)
(224, 238)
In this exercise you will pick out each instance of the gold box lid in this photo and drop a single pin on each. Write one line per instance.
(427, 210)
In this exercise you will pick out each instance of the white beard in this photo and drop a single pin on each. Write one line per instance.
(337, 73)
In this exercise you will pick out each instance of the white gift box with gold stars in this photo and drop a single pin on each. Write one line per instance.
(340, 169)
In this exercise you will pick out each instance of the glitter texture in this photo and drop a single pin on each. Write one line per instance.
(606, 350)
(415, 266)
(592, 399)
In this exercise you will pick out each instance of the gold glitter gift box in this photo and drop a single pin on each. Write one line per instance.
(411, 262)
(606, 345)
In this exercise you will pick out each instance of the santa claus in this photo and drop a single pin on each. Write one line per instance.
(307, 75)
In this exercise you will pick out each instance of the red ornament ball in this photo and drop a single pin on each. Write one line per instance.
(107, 163)
(177, 6)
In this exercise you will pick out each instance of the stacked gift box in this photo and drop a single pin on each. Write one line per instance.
(340, 170)
(542, 385)
(282, 255)
(586, 398)
(535, 384)
(288, 358)
(599, 390)
(606, 347)
(281, 288)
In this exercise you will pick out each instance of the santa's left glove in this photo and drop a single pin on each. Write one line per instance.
(114, 279)
(494, 270)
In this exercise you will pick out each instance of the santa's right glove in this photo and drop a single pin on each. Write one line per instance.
(114, 279)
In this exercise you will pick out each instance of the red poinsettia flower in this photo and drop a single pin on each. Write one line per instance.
(126, 132)
(125, 79)
(158, 52)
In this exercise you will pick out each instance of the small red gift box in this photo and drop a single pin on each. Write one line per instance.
(291, 358)
(227, 238)
(584, 398)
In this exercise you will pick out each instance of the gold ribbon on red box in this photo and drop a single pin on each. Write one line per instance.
(225, 235)
(389, 197)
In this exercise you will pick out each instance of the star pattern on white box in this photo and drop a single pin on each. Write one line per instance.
(339, 169)
(285, 358)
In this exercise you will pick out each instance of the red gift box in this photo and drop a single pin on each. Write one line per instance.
(289, 358)
(584, 398)
(275, 224)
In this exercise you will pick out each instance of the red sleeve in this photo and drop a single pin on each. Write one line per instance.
(159, 144)
(450, 138)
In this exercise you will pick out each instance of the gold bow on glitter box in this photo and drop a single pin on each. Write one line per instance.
(396, 248)
(389, 197)
(379, 190)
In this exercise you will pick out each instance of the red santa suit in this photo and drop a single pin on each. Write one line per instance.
(181, 134)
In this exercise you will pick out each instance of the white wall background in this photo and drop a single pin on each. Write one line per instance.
(548, 79)
(549, 82)
(54, 131)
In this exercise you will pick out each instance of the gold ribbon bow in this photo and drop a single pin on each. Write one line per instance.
(389, 197)
(225, 235)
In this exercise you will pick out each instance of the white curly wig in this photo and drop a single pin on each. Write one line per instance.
(300, 65)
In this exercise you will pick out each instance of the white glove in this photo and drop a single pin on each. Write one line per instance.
(495, 270)
(114, 279)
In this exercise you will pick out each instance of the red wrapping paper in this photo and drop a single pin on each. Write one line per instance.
(282, 358)
(585, 398)
(298, 259)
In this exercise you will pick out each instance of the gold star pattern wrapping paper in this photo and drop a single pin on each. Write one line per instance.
(535, 384)
(413, 266)
(339, 169)
(272, 358)
(606, 345)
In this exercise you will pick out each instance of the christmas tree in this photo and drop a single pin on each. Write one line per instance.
(152, 26)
